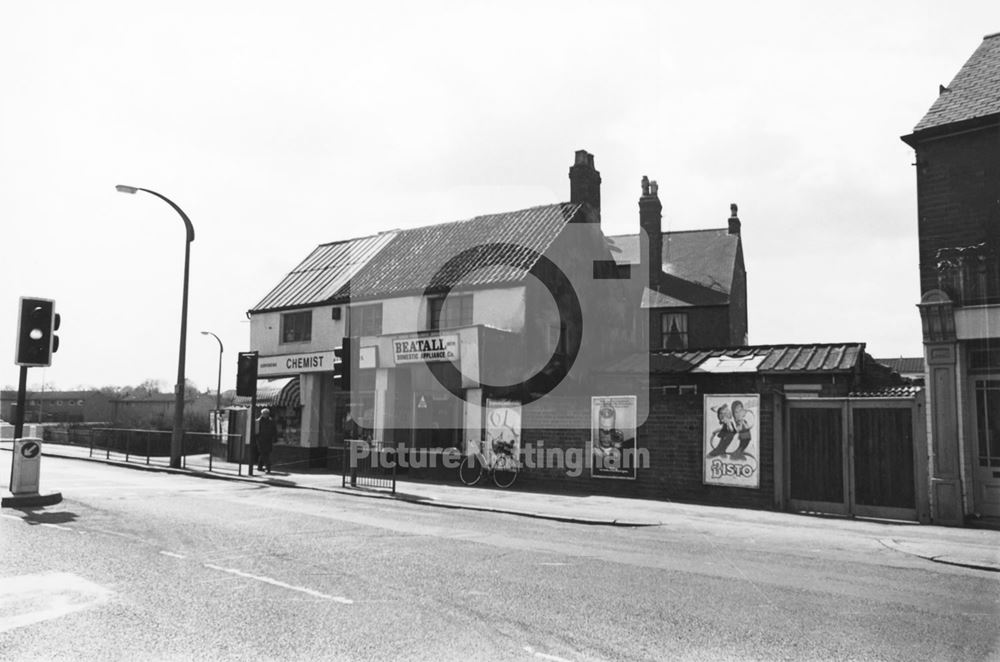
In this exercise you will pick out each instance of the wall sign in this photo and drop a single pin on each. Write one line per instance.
(425, 348)
(294, 364)
(612, 436)
(732, 440)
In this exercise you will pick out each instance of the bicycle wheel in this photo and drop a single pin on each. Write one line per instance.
(470, 470)
(505, 471)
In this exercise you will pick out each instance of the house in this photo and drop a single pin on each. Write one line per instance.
(448, 319)
(957, 147)
(696, 293)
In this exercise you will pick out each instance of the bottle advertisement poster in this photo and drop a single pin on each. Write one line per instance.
(732, 440)
(612, 436)
(503, 428)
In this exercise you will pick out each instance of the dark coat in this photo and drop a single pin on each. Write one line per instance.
(267, 434)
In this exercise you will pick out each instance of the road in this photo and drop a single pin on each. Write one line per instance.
(151, 566)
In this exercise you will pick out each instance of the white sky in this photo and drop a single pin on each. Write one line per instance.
(277, 129)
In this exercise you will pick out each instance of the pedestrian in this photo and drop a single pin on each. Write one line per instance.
(267, 434)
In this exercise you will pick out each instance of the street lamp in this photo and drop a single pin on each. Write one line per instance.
(177, 438)
(218, 387)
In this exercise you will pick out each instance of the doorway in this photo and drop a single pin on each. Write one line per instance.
(986, 473)
(437, 418)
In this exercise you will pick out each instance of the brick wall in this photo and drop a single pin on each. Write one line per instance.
(958, 189)
(673, 436)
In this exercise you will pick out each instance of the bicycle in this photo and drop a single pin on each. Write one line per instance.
(503, 466)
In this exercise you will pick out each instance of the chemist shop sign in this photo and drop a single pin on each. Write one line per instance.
(425, 348)
(294, 364)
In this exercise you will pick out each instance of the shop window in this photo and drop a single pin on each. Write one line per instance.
(366, 320)
(673, 330)
(449, 312)
(358, 421)
(296, 327)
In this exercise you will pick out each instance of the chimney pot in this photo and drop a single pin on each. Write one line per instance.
(734, 219)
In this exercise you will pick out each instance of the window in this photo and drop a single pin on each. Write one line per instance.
(445, 313)
(673, 330)
(296, 327)
(366, 320)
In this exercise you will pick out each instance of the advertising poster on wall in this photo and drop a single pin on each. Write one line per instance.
(503, 427)
(732, 440)
(612, 436)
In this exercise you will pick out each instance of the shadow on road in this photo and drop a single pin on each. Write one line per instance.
(36, 516)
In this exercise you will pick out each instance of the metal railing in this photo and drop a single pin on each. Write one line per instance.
(199, 450)
(369, 464)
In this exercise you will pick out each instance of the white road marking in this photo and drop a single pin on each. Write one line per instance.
(545, 656)
(57, 526)
(44, 596)
(172, 554)
(275, 582)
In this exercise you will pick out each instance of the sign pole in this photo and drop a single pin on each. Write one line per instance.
(253, 430)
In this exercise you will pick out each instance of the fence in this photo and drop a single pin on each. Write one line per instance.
(199, 450)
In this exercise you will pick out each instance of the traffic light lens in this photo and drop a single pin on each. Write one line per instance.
(36, 334)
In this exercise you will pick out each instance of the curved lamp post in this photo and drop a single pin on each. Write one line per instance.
(177, 438)
(218, 386)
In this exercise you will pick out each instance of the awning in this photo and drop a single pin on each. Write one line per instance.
(281, 392)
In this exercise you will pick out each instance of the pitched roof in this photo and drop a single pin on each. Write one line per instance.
(973, 93)
(322, 275)
(701, 262)
(403, 261)
(412, 261)
(785, 359)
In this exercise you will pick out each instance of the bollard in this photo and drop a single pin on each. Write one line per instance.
(25, 470)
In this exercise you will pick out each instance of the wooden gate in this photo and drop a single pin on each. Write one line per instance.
(852, 457)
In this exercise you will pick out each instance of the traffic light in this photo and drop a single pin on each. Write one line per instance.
(36, 338)
(342, 365)
(246, 374)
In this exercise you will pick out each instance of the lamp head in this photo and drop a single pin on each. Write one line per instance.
(121, 188)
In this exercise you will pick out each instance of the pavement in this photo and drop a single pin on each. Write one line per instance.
(971, 548)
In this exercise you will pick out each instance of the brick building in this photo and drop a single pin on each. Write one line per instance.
(957, 146)
(58, 406)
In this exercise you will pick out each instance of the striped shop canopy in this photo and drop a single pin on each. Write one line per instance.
(281, 392)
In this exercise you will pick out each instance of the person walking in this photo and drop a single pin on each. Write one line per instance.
(267, 434)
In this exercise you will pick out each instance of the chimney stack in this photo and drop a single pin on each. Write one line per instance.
(734, 220)
(651, 237)
(585, 182)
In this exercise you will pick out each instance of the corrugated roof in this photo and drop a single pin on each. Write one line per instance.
(324, 273)
(402, 261)
(974, 92)
(411, 262)
(843, 357)
(703, 257)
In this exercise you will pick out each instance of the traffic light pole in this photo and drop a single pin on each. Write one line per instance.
(22, 386)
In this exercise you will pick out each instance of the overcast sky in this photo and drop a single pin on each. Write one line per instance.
(277, 128)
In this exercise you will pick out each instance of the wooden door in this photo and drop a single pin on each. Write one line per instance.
(883, 472)
(816, 452)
